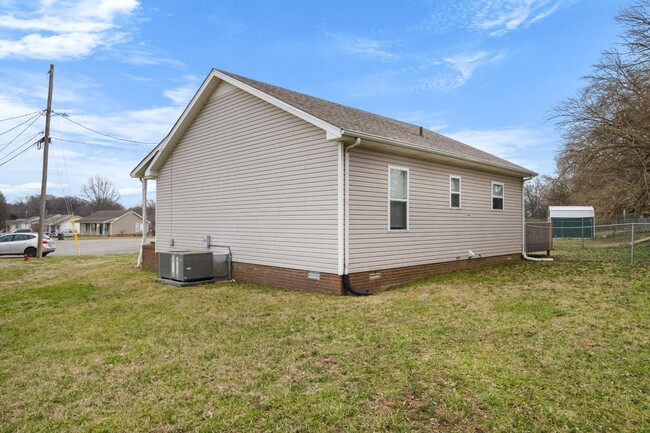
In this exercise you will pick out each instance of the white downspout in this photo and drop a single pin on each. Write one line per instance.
(346, 241)
(145, 228)
(523, 230)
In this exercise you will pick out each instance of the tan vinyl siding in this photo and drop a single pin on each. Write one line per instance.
(255, 178)
(126, 224)
(437, 233)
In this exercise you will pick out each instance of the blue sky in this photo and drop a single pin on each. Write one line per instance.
(487, 73)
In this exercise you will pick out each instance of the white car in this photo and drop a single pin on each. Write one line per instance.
(24, 244)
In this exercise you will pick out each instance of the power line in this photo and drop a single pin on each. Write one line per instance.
(20, 153)
(21, 133)
(62, 174)
(22, 115)
(66, 117)
(109, 146)
(21, 123)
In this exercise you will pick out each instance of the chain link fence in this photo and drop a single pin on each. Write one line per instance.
(613, 242)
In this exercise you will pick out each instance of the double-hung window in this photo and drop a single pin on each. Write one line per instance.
(398, 198)
(454, 192)
(497, 196)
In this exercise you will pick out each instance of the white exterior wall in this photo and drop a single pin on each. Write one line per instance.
(255, 178)
(436, 232)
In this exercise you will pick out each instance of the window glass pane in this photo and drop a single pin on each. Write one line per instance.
(497, 203)
(398, 215)
(398, 184)
(455, 200)
(497, 190)
(455, 184)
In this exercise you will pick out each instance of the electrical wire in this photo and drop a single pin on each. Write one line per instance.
(21, 132)
(107, 145)
(20, 153)
(62, 175)
(22, 115)
(21, 123)
(66, 117)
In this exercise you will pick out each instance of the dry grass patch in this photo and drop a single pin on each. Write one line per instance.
(92, 344)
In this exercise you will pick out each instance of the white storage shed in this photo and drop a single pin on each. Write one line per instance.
(572, 221)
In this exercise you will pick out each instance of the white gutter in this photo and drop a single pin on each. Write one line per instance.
(523, 230)
(450, 155)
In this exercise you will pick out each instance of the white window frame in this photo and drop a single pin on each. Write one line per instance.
(460, 189)
(503, 196)
(408, 187)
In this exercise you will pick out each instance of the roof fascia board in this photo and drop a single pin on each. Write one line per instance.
(140, 169)
(404, 147)
(168, 144)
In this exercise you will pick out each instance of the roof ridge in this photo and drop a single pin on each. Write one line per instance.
(357, 120)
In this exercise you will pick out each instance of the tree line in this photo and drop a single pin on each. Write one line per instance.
(605, 156)
(96, 194)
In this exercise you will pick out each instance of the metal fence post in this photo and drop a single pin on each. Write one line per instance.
(632, 245)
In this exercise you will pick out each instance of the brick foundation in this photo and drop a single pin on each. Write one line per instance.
(286, 278)
(379, 280)
(374, 281)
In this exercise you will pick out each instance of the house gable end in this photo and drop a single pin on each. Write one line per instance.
(149, 166)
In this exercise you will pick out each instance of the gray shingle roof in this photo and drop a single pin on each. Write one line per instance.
(104, 216)
(352, 119)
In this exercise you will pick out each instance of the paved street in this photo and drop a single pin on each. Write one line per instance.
(97, 246)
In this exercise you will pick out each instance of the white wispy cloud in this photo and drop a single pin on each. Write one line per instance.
(77, 153)
(63, 29)
(181, 95)
(456, 70)
(364, 46)
(507, 15)
(497, 17)
(514, 143)
(28, 188)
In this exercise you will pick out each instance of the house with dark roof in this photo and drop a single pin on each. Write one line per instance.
(314, 195)
(111, 223)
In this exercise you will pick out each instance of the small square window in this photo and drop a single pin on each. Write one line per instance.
(497, 196)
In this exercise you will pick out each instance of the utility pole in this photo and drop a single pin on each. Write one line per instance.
(46, 144)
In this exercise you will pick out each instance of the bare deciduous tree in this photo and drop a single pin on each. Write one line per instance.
(151, 212)
(101, 194)
(535, 203)
(605, 160)
(4, 211)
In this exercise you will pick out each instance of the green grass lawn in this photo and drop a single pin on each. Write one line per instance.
(92, 344)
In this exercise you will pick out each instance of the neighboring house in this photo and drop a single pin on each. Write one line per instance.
(111, 222)
(13, 225)
(305, 191)
(50, 223)
(33, 223)
(572, 221)
(66, 223)
(59, 223)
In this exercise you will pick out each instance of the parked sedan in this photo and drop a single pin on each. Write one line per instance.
(24, 243)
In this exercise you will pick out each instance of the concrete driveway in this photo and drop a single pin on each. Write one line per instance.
(91, 247)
